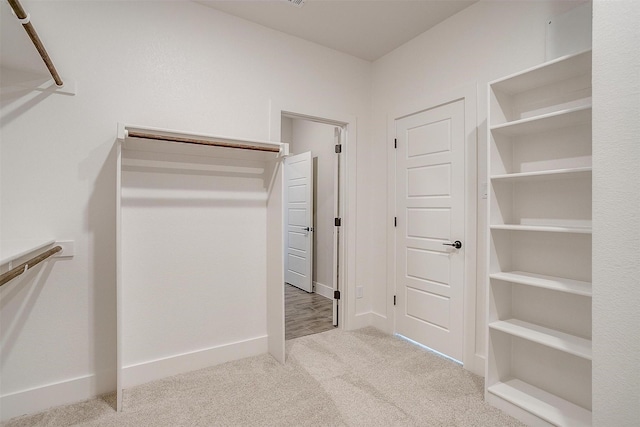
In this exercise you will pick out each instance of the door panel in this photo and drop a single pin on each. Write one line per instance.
(298, 217)
(297, 193)
(429, 223)
(430, 212)
(298, 179)
(428, 307)
(427, 265)
(429, 181)
(429, 139)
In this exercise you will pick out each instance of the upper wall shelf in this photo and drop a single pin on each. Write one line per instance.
(557, 70)
(545, 122)
(140, 138)
(547, 97)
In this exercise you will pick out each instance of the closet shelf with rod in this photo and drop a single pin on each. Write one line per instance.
(12, 251)
(58, 86)
(218, 199)
(25, 20)
(139, 138)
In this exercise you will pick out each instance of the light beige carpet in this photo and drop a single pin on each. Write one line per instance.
(336, 378)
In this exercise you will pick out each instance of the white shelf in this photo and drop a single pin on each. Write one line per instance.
(542, 228)
(548, 73)
(10, 250)
(547, 175)
(559, 284)
(548, 337)
(547, 406)
(545, 122)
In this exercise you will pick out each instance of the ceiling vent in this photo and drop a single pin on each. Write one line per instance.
(296, 3)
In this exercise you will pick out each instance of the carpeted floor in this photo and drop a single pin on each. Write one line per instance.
(336, 378)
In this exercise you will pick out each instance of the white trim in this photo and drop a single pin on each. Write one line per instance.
(362, 320)
(381, 322)
(152, 370)
(347, 306)
(323, 290)
(515, 411)
(472, 361)
(119, 290)
(55, 394)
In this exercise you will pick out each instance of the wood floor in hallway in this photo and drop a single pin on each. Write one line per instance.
(306, 313)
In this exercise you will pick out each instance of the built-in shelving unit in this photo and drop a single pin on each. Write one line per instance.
(539, 294)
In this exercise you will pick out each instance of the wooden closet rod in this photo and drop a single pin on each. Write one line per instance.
(134, 134)
(15, 272)
(28, 27)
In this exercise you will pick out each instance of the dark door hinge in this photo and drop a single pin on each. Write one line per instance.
(336, 294)
(338, 148)
(338, 222)
(395, 221)
(394, 300)
(395, 143)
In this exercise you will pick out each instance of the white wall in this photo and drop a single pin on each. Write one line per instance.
(318, 138)
(176, 65)
(616, 204)
(486, 41)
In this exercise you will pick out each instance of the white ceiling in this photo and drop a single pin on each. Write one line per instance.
(367, 29)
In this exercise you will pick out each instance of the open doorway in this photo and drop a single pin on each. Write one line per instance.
(311, 206)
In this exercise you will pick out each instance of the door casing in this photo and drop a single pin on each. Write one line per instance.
(348, 319)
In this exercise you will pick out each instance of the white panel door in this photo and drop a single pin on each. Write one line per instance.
(298, 257)
(430, 216)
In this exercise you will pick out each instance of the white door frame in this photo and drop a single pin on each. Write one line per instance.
(471, 359)
(347, 309)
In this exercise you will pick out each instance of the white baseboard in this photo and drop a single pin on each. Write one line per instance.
(145, 372)
(370, 318)
(476, 365)
(324, 290)
(42, 398)
(361, 320)
(382, 323)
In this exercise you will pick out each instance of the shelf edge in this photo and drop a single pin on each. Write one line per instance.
(526, 396)
(575, 287)
(566, 343)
